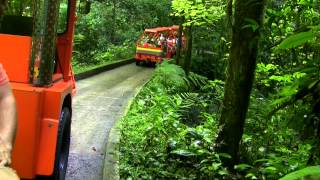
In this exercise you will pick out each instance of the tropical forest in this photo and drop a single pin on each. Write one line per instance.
(238, 97)
(241, 100)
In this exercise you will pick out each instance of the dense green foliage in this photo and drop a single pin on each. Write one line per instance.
(171, 129)
(109, 31)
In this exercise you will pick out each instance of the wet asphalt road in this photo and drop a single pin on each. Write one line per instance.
(100, 100)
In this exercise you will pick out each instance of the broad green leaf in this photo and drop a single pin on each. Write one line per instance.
(225, 155)
(242, 167)
(223, 172)
(309, 171)
(270, 168)
(251, 176)
(296, 40)
(251, 24)
(183, 152)
(261, 161)
(216, 166)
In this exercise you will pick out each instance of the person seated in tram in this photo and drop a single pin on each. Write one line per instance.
(143, 40)
(162, 38)
(170, 43)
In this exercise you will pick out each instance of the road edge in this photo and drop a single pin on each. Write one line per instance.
(101, 69)
(112, 154)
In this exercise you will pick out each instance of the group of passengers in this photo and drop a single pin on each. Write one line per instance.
(159, 40)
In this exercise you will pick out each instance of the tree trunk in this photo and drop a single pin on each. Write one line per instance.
(179, 45)
(229, 18)
(44, 43)
(114, 22)
(240, 75)
(21, 8)
(3, 4)
(187, 61)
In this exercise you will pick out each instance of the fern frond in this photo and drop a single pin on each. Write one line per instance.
(188, 99)
(171, 76)
(195, 81)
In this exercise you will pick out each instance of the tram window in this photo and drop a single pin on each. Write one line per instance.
(17, 19)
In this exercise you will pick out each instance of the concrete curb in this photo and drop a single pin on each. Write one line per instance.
(112, 155)
(101, 69)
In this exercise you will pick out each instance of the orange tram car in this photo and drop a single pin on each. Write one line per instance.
(157, 44)
(36, 51)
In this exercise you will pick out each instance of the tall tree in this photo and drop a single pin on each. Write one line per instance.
(114, 21)
(248, 19)
(188, 55)
(196, 13)
(2, 6)
(179, 47)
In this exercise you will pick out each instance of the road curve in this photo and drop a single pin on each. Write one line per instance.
(100, 100)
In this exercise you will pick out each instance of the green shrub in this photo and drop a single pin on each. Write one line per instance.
(155, 141)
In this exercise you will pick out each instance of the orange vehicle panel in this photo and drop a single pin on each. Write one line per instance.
(39, 112)
(47, 149)
(53, 101)
(152, 58)
(160, 29)
(15, 56)
(38, 108)
(27, 138)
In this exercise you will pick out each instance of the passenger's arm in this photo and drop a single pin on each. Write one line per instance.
(8, 123)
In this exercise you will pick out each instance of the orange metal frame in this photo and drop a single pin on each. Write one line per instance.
(155, 58)
(38, 108)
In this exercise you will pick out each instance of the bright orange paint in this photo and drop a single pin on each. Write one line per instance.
(15, 56)
(29, 104)
(38, 108)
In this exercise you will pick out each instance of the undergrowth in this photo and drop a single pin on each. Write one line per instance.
(171, 127)
(160, 139)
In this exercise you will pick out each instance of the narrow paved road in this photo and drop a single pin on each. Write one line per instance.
(100, 100)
